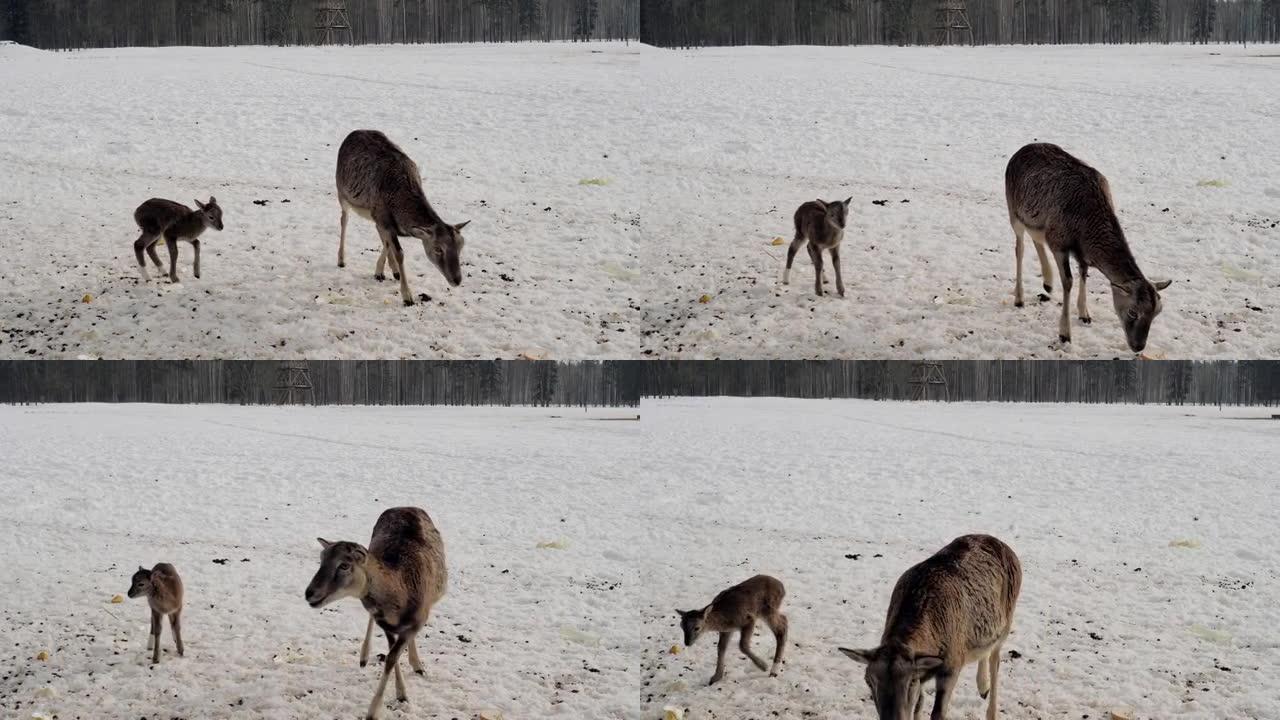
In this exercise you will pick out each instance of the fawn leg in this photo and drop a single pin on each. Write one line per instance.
(342, 235)
(172, 245)
(791, 256)
(195, 248)
(364, 646)
(778, 623)
(143, 243)
(835, 262)
(414, 661)
(155, 637)
(388, 667)
(816, 256)
(744, 643)
(721, 649)
(175, 623)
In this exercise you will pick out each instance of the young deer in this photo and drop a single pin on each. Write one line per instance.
(173, 221)
(379, 182)
(1067, 207)
(163, 589)
(821, 224)
(737, 609)
(398, 579)
(946, 612)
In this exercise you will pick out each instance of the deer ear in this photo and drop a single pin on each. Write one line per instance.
(863, 656)
(848, 200)
(213, 200)
(1121, 289)
(461, 225)
(200, 205)
(141, 569)
(1163, 284)
(324, 543)
(927, 664)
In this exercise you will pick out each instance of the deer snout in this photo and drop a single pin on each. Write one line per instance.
(314, 597)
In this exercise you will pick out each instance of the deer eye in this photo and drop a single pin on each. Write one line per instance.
(345, 566)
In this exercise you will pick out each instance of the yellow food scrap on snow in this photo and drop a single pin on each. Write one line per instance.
(672, 713)
(42, 655)
(1193, 544)
(117, 599)
(553, 545)
(1212, 183)
(779, 241)
(704, 299)
(594, 181)
(675, 649)
(87, 298)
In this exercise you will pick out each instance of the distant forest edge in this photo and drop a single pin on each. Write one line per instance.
(696, 23)
(333, 382)
(71, 24)
(1172, 382)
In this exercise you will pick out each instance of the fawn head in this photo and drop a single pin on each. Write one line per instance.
(693, 623)
(341, 574)
(443, 243)
(838, 212)
(141, 583)
(211, 212)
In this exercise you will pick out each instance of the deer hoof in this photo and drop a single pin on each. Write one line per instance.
(395, 275)
(1044, 298)
(408, 302)
(1018, 303)
(379, 277)
(1065, 339)
(715, 679)
(1086, 320)
(364, 663)
(420, 672)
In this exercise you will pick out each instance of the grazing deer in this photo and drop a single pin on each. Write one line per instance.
(163, 589)
(379, 182)
(398, 579)
(821, 224)
(946, 612)
(1067, 208)
(173, 221)
(737, 609)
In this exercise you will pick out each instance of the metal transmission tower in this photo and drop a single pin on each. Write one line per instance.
(927, 375)
(333, 24)
(293, 383)
(951, 23)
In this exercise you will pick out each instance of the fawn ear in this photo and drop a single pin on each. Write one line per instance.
(141, 569)
(200, 205)
(461, 225)
(1163, 284)
(848, 200)
(324, 543)
(863, 656)
(213, 200)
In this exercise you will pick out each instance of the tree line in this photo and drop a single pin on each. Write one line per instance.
(697, 23)
(1170, 382)
(333, 382)
(68, 24)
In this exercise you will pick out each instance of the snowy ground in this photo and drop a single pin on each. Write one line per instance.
(743, 136)
(504, 135)
(837, 498)
(93, 491)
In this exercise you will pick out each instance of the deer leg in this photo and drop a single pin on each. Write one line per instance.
(1064, 322)
(945, 686)
(1018, 247)
(364, 646)
(143, 243)
(414, 661)
(816, 256)
(917, 691)
(388, 667)
(1046, 267)
(195, 249)
(401, 695)
(398, 256)
(342, 235)
(172, 245)
(378, 273)
(155, 637)
(994, 673)
(835, 263)
(721, 649)
(744, 643)
(175, 623)
(984, 677)
(791, 256)
(1082, 306)
(778, 623)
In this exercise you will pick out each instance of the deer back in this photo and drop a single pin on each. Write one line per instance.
(407, 544)
(157, 214)
(166, 588)
(375, 176)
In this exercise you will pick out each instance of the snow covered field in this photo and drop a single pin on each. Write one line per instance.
(92, 491)
(511, 137)
(838, 498)
(743, 136)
